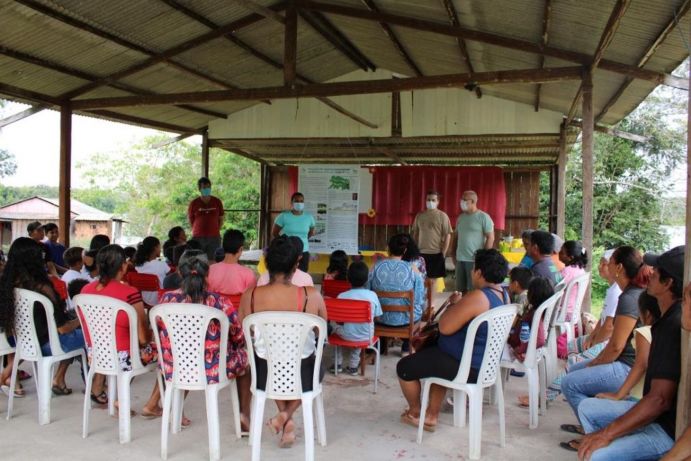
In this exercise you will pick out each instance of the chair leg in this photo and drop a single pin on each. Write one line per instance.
(542, 374)
(502, 416)
(321, 421)
(177, 410)
(475, 423)
(337, 353)
(165, 420)
(211, 395)
(459, 408)
(377, 357)
(45, 379)
(533, 396)
(124, 404)
(308, 422)
(426, 384)
(13, 383)
(256, 423)
(87, 403)
(235, 401)
(363, 361)
(112, 392)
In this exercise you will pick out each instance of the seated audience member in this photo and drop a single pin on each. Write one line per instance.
(129, 255)
(90, 269)
(414, 257)
(526, 260)
(608, 371)
(111, 267)
(575, 259)
(98, 241)
(558, 243)
(219, 255)
(645, 429)
(26, 269)
(299, 277)
(338, 266)
(55, 248)
(519, 279)
(394, 274)
(194, 289)
(146, 262)
(443, 359)
(173, 281)
(75, 287)
(74, 262)
(358, 273)
(282, 295)
(176, 236)
(36, 232)
(539, 290)
(229, 276)
(540, 250)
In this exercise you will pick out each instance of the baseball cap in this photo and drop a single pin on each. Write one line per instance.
(558, 243)
(672, 261)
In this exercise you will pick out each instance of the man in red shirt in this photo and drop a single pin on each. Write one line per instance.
(205, 214)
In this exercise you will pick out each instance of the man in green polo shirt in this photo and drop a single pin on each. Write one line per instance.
(474, 231)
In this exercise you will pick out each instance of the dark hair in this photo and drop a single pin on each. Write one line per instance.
(412, 251)
(295, 195)
(338, 264)
(522, 275)
(130, 252)
(398, 244)
(648, 304)
(145, 250)
(72, 255)
(433, 192)
(526, 233)
(175, 232)
(574, 250)
(233, 240)
(677, 287)
(25, 268)
(91, 254)
(632, 261)
(203, 180)
(543, 240)
(539, 291)
(98, 241)
(281, 257)
(50, 226)
(193, 244)
(492, 265)
(178, 250)
(193, 271)
(358, 273)
(75, 287)
(297, 243)
(32, 226)
(109, 261)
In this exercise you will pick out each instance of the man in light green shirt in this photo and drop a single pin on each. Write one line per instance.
(474, 231)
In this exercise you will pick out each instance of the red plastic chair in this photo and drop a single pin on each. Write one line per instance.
(353, 311)
(60, 287)
(333, 288)
(143, 282)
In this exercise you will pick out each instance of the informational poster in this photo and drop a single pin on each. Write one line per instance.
(331, 196)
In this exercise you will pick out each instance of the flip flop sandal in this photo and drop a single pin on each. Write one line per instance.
(410, 420)
(571, 445)
(18, 392)
(100, 399)
(573, 429)
(58, 390)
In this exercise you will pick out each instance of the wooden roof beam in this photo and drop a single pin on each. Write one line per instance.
(613, 132)
(494, 39)
(28, 95)
(174, 4)
(388, 31)
(257, 8)
(649, 52)
(453, 17)
(22, 115)
(140, 121)
(341, 88)
(546, 18)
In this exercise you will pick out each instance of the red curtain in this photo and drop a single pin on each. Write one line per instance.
(398, 193)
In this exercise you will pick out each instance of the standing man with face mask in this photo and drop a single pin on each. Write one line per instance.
(474, 231)
(432, 231)
(296, 222)
(205, 214)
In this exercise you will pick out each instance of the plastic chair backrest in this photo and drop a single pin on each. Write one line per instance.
(544, 312)
(348, 310)
(560, 286)
(143, 282)
(333, 288)
(186, 325)
(5, 347)
(25, 328)
(60, 287)
(98, 315)
(284, 335)
(579, 283)
(499, 321)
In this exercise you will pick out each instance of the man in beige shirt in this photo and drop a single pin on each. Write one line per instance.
(432, 232)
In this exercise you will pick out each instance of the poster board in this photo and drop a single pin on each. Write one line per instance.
(331, 196)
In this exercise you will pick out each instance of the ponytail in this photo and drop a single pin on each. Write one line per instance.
(577, 252)
(632, 262)
(194, 271)
(144, 250)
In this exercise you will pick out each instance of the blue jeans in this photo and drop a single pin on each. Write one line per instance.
(582, 381)
(647, 443)
(69, 342)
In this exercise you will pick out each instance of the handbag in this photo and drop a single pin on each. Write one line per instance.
(427, 334)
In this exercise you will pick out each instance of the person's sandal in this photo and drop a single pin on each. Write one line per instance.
(100, 399)
(571, 445)
(61, 390)
(573, 429)
(411, 420)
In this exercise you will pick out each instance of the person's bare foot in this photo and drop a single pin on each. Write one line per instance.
(278, 422)
(148, 413)
(288, 436)
(244, 424)
(524, 400)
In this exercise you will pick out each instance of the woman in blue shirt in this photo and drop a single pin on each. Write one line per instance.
(443, 359)
(296, 222)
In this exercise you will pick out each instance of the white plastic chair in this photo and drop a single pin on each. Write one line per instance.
(498, 322)
(186, 325)
(535, 361)
(5, 348)
(284, 335)
(580, 283)
(98, 315)
(28, 348)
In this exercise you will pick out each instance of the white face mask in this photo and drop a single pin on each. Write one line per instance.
(464, 205)
(431, 205)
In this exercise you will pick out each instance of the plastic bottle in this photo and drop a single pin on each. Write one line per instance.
(525, 332)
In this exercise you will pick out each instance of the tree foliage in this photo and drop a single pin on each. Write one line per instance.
(8, 166)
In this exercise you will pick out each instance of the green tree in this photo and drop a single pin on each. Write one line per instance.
(8, 166)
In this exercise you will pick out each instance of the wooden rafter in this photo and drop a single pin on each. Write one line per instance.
(172, 140)
(494, 39)
(613, 132)
(546, 18)
(262, 10)
(21, 115)
(661, 37)
(605, 40)
(176, 5)
(389, 32)
(341, 88)
(453, 17)
(28, 95)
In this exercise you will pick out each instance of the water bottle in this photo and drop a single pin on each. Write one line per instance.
(525, 332)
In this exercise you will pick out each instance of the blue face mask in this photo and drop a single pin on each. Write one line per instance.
(297, 206)
(206, 191)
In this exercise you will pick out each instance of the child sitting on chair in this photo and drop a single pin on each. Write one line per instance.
(357, 276)
(539, 290)
(520, 278)
(338, 266)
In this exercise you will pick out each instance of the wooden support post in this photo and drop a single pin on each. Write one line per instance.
(561, 183)
(291, 46)
(588, 187)
(64, 211)
(205, 154)
(396, 128)
(553, 211)
(265, 212)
